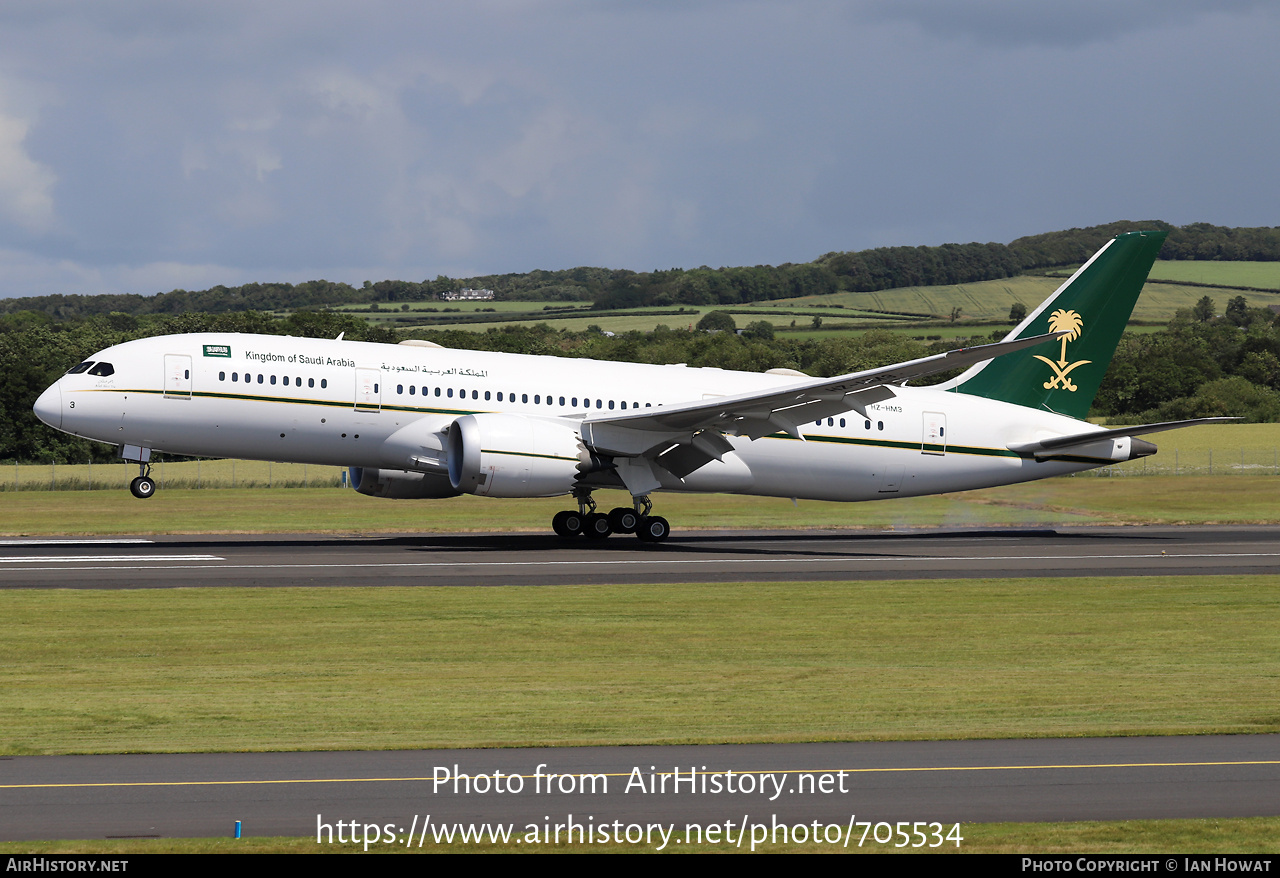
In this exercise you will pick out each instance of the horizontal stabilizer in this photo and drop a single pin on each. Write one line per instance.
(1064, 444)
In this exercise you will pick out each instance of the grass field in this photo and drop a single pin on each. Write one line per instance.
(991, 300)
(980, 301)
(27, 507)
(326, 668)
(1085, 499)
(1264, 275)
(172, 475)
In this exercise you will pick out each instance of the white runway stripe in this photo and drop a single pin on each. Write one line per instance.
(659, 561)
(105, 559)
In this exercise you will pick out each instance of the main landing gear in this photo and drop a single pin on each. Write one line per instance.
(622, 520)
(143, 487)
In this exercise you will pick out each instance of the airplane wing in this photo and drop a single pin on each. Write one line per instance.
(696, 428)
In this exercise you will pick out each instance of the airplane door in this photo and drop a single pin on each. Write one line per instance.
(368, 390)
(177, 376)
(934, 440)
(891, 479)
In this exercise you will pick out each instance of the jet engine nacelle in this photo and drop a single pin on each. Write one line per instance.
(398, 484)
(502, 455)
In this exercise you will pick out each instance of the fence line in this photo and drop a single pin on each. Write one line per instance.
(199, 474)
(1221, 461)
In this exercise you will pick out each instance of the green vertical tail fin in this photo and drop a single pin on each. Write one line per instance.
(1094, 306)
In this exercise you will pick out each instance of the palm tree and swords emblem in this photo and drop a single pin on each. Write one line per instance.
(1071, 323)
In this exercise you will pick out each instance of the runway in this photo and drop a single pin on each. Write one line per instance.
(710, 556)
(410, 795)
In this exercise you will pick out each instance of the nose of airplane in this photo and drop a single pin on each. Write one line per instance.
(48, 407)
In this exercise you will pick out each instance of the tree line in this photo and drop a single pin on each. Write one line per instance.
(1203, 364)
(880, 268)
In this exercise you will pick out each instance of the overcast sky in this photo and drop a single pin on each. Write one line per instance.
(147, 145)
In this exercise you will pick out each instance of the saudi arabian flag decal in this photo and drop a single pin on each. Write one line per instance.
(217, 350)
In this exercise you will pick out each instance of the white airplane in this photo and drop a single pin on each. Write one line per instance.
(416, 420)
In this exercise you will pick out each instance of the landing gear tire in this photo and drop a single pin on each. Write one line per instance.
(596, 527)
(623, 520)
(142, 487)
(567, 524)
(653, 529)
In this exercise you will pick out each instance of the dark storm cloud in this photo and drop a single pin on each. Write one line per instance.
(1076, 23)
(148, 145)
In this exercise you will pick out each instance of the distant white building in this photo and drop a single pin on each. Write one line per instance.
(467, 295)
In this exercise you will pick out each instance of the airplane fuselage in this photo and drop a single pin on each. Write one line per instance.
(365, 405)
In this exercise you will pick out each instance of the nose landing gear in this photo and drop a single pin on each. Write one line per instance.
(143, 487)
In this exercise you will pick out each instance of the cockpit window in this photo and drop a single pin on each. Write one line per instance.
(76, 370)
(102, 370)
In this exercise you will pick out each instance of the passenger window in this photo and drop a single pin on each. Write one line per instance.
(260, 378)
(311, 382)
(562, 401)
(486, 396)
(524, 397)
(235, 376)
(867, 426)
(842, 422)
(475, 394)
(879, 425)
(324, 382)
(610, 404)
(412, 390)
(102, 370)
(499, 396)
(575, 402)
(450, 393)
(273, 379)
(400, 388)
(222, 376)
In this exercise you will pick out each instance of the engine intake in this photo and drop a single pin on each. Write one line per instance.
(502, 455)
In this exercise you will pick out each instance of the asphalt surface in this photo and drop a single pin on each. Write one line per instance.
(524, 559)
(946, 782)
